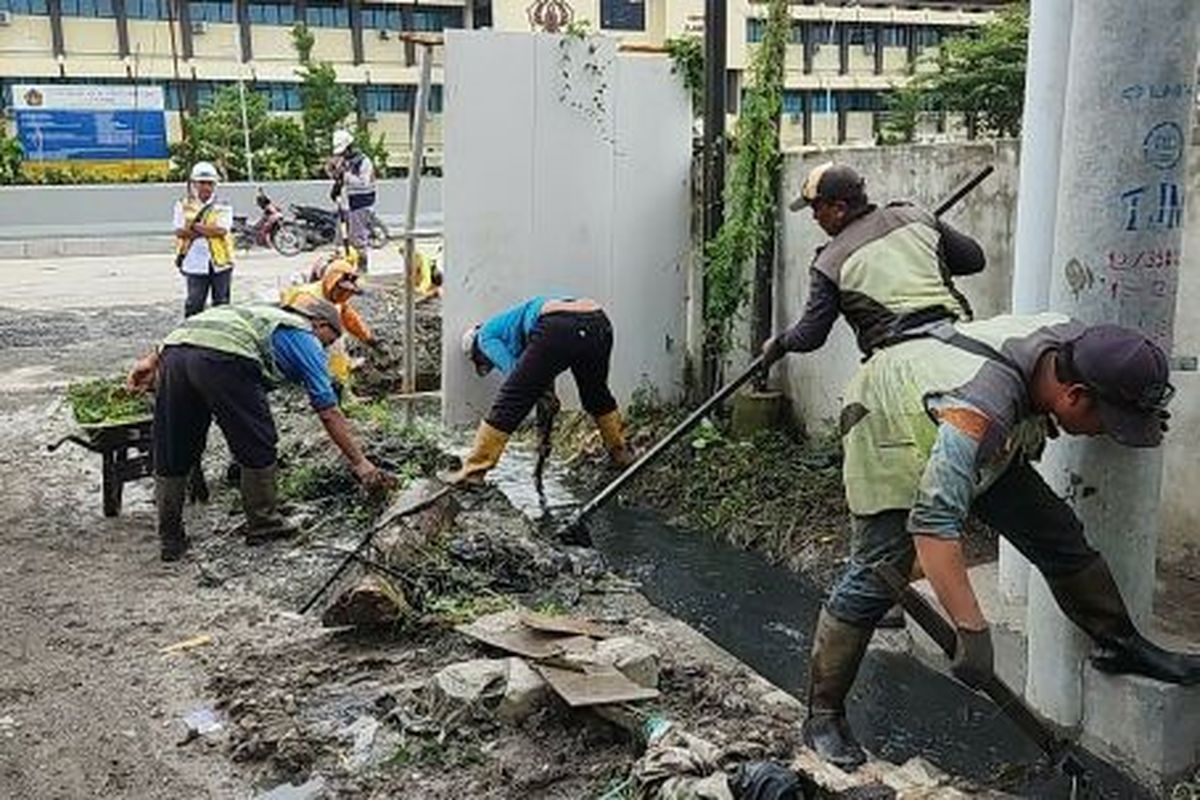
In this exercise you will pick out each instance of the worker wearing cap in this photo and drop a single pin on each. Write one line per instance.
(353, 175)
(531, 344)
(221, 363)
(203, 242)
(338, 284)
(937, 428)
(890, 270)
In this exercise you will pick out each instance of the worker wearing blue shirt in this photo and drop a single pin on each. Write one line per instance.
(221, 363)
(531, 344)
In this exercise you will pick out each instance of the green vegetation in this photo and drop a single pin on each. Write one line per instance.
(980, 74)
(106, 401)
(687, 55)
(460, 609)
(11, 155)
(750, 196)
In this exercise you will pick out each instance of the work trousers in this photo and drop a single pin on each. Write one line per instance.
(359, 231)
(579, 341)
(195, 385)
(216, 282)
(1019, 506)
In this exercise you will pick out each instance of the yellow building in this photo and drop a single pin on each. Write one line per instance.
(842, 56)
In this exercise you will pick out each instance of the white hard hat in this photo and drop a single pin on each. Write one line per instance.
(204, 171)
(341, 140)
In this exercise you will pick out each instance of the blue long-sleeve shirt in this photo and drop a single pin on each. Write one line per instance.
(300, 358)
(503, 337)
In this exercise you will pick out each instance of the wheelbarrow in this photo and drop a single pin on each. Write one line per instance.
(126, 454)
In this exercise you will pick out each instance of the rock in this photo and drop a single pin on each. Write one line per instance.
(524, 693)
(479, 681)
(371, 743)
(634, 658)
(312, 789)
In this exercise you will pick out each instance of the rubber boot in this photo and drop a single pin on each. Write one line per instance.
(169, 496)
(485, 454)
(838, 649)
(197, 485)
(613, 434)
(1091, 598)
(260, 502)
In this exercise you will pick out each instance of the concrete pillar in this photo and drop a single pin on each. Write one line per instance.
(1037, 195)
(1129, 107)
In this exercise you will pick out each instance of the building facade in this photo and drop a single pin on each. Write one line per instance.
(841, 60)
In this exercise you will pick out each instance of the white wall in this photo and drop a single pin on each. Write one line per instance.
(577, 186)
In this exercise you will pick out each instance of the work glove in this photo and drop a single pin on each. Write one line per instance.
(973, 658)
(772, 351)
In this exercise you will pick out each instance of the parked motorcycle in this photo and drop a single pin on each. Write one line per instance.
(262, 232)
(313, 226)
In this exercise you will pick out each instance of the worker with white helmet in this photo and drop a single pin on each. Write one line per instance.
(203, 243)
(353, 176)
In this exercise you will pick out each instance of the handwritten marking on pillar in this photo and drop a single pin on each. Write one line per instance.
(1162, 146)
(1153, 207)
(1156, 91)
(1079, 276)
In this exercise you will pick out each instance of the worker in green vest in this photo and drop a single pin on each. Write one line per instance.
(221, 363)
(888, 269)
(943, 426)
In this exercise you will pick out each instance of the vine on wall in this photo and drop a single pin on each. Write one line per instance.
(584, 66)
(749, 197)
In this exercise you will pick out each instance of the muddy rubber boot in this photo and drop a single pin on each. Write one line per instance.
(197, 485)
(169, 496)
(485, 454)
(260, 502)
(612, 432)
(1092, 600)
(838, 648)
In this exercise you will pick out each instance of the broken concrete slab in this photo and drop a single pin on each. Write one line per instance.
(633, 658)
(562, 625)
(603, 686)
(505, 631)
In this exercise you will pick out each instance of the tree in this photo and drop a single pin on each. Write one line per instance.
(277, 144)
(980, 74)
(11, 155)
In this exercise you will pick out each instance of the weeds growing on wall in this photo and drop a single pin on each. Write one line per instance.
(749, 197)
(687, 56)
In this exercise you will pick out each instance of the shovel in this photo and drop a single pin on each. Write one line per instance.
(1058, 750)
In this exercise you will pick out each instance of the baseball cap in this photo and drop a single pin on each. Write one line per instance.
(830, 181)
(1130, 377)
(317, 309)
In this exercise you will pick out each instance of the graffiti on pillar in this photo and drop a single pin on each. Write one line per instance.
(1153, 207)
(1163, 145)
(1157, 91)
(1079, 276)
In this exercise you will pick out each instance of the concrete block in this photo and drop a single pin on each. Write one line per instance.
(524, 692)
(1007, 621)
(634, 658)
(1151, 727)
(755, 411)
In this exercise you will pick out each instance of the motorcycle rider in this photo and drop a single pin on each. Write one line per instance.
(353, 174)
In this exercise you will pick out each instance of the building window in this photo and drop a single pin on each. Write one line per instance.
(25, 7)
(862, 35)
(271, 12)
(327, 14)
(435, 99)
(862, 101)
(755, 29)
(280, 96)
(206, 92)
(793, 102)
(147, 9)
(823, 102)
(927, 36)
(623, 15)
(87, 8)
(437, 19)
(388, 99)
(820, 33)
(895, 35)
(211, 10)
(377, 16)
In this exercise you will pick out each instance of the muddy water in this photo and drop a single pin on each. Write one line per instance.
(764, 614)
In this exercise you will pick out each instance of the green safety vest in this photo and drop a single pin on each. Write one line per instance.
(238, 330)
(888, 431)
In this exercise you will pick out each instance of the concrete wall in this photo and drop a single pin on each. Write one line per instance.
(39, 212)
(927, 173)
(557, 185)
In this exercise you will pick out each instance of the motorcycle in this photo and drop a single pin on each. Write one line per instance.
(261, 233)
(313, 226)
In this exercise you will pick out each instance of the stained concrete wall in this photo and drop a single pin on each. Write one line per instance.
(814, 383)
(567, 171)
